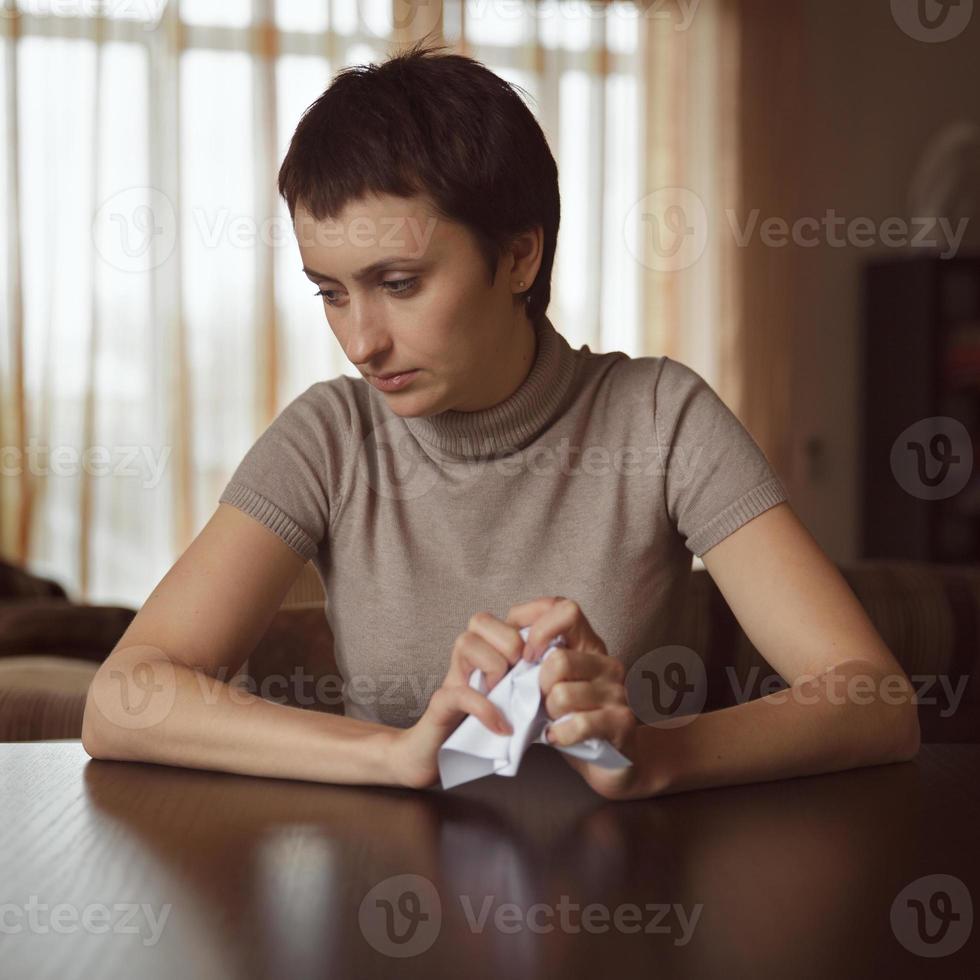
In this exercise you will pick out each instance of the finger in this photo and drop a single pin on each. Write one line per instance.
(564, 664)
(526, 613)
(611, 722)
(501, 636)
(564, 616)
(568, 696)
(471, 650)
(447, 704)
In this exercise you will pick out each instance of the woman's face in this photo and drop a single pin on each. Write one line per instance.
(406, 290)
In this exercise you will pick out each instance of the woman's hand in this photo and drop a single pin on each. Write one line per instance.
(582, 678)
(487, 643)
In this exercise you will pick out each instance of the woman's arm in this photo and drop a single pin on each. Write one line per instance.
(144, 706)
(158, 697)
(848, 704)
(853, 715)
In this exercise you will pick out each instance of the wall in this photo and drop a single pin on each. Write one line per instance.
(871, 98)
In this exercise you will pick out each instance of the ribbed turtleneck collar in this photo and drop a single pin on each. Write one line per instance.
(513, 423)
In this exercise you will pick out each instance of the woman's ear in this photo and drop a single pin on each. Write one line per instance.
(527, 250)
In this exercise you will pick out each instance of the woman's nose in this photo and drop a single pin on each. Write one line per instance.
(366, 341)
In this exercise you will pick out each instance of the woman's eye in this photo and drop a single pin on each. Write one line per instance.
(406, 284)
(400, 286)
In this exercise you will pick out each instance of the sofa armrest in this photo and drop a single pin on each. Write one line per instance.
(17, 583)
(43, 697)
(54, 627)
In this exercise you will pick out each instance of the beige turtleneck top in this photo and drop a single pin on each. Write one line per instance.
(597, 479)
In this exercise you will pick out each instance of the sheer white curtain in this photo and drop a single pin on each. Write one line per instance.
(154, 316)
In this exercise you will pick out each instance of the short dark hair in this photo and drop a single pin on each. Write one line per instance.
(439, 125)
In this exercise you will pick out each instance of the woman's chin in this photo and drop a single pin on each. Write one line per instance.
(411, 404)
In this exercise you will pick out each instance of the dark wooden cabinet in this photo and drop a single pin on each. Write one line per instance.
(920, 417)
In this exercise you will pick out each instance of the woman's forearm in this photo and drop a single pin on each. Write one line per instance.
(853, 715)
(144, 708)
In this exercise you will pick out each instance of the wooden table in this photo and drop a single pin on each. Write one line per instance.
(113, 869)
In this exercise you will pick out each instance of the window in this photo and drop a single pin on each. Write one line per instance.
(155, 318)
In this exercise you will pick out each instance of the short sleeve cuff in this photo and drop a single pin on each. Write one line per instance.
(271, 516)
(749, 505)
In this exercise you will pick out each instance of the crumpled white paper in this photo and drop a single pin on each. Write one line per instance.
(472, 750)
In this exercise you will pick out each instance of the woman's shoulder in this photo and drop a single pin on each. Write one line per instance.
(348, 403)
(628, 374)
(658, 375)
(342, 398)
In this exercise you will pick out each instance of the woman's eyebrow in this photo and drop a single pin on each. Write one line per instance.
(366, 272)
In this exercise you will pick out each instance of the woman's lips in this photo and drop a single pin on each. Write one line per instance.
(393, 383)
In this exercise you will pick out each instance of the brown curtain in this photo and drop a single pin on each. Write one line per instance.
(758, 350)
(723, 100)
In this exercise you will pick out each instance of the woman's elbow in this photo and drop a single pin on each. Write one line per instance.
(908, 735)
(94, 726)
(90, 736)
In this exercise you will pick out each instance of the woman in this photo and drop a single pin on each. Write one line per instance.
(481, 464)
